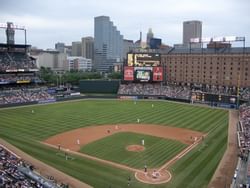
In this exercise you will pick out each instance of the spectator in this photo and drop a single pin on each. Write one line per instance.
(12, 176)
(171, 91)
(244, 123)
(24, 95)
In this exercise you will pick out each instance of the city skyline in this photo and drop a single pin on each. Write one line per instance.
(48, 22)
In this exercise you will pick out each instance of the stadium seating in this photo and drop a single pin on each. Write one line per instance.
(244, 115)
(16, 173)
(8, 79)
(14, 61)
(245, 94)
(220, 90)
(174, 91)
(24, 95)
(177, 91)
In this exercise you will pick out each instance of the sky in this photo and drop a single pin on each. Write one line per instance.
(50, 21)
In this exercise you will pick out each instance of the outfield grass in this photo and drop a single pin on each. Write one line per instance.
(113, 148)
(24, 129)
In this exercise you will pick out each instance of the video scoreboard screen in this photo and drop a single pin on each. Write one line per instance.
(143, 74)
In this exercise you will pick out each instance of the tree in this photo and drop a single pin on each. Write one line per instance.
(48, 75)
(115, 75)
(71, 77)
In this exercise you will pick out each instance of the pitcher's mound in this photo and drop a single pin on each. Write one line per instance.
(135, 148)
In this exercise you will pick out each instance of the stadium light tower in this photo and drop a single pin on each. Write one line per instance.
(10, 32)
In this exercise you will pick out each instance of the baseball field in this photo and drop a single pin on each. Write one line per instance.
(124, 123)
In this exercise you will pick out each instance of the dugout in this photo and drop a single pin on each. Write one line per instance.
(99, 86)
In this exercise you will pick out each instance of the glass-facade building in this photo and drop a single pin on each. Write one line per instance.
(108, 44)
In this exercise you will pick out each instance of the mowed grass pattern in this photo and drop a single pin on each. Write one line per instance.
(24, 129)
(113, 148)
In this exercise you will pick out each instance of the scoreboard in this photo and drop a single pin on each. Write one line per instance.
(144, 59)
(143, 67)
(208, 97)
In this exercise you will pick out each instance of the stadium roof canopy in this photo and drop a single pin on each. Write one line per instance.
(208, 50)
(4, 45)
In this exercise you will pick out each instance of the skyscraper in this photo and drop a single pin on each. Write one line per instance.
(88, 47)
(128, 46)
(155, 43)
(108, 44)
(60, 47)
(150, 35)
(76, 49)
(191, 29)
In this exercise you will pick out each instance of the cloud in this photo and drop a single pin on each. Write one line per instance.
(63, 20)
(44, 23)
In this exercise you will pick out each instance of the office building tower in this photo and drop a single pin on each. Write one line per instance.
(79, 63)
(138, 43)
(68, 50)
(60, 47)
(150, 35)
(155, 43)
(76, 49)
(108, 44)
(88, 47)
(192, 29)
(128, 46)
(53, 59)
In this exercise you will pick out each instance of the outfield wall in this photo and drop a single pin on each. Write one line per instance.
(115, 96)
(99, 86)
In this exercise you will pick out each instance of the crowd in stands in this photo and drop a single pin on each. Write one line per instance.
(24, 95)
(31, 94)
(14, 61)
(180, 92)
(7, 79)
(177, 91)
(16, 173)
(245, 94)
(218, 90)
(244, 123)
(242, 171)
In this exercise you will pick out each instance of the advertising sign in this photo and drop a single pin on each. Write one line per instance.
(157, 74)
(129, 73)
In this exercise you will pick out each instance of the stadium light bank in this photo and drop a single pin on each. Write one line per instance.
(15, 27)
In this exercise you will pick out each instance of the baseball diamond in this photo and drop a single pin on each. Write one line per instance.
(167, 129)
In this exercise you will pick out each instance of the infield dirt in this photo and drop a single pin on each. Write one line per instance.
(87, 135)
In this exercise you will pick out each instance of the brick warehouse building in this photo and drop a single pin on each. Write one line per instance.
(219, 67)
